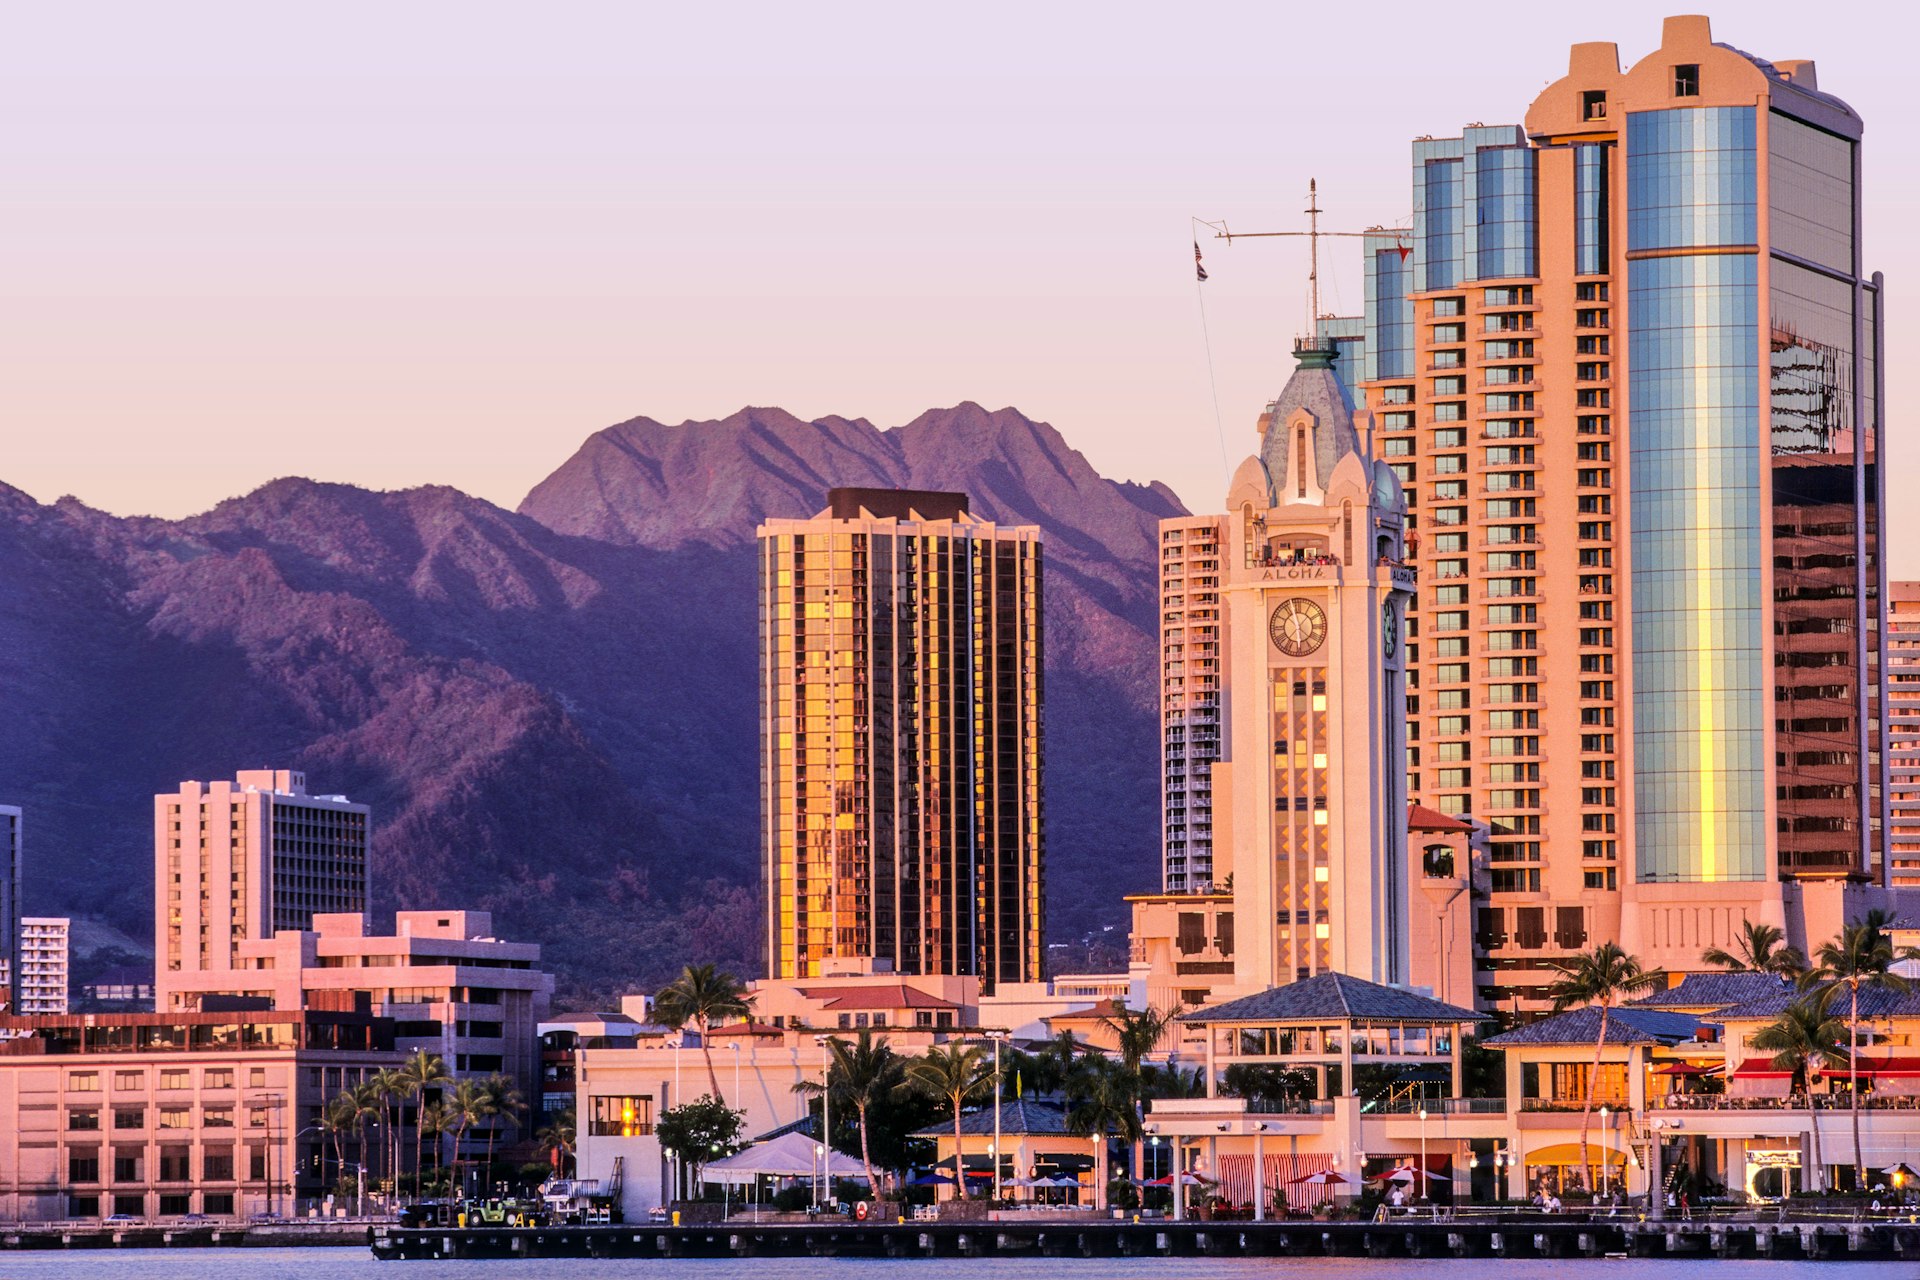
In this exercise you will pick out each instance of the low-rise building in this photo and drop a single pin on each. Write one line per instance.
(159, 1116)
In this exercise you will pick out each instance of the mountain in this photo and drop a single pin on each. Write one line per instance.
(551, 711)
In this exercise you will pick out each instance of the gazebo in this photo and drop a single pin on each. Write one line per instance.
(1034, 1140)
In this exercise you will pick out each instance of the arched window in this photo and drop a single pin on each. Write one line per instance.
(1346, 517)
(1300, 467)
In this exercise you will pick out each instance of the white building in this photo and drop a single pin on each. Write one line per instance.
(44, 964)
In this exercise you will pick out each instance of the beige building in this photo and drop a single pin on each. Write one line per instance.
(900, 666)
(1310, 791)
(1648, 601)
(1902, 645)
(450, 987)
(44, 964)
(1192, 655)
(237, 861)
(158, 1117)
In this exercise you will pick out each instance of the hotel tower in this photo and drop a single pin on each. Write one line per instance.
(900, 692)
(1626, 363)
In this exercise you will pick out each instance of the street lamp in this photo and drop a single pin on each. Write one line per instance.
(826, 1120)
(1423, 1153)
(994, 1151)
(1606, 1136)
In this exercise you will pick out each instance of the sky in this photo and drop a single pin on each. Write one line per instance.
(443, 243)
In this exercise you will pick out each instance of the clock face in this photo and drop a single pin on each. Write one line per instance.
(1389, 632)
(1298, 627)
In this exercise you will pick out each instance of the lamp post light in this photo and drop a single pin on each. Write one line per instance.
(994, 1151)
(826, 1118)
(1423, 1155)
(1606, 1136)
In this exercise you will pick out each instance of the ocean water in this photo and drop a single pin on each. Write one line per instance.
(340, 1264)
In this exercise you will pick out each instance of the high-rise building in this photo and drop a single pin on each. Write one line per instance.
(44, 964)
(1309, 794)
(240, 860)
(900, 670)
(1191, 662)
(9, 907)
(1902, 644)
(1628, 372)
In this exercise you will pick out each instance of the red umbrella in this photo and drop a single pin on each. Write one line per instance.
(1323, 1178)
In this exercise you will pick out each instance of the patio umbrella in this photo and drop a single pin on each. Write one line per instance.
(931, 1180)
(1058, 1180)
(1900, 1168)
(1322, 1178)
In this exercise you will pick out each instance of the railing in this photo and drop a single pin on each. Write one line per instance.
(1791, 1102)
(1437, 1106)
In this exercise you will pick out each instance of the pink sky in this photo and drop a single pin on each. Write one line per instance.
(442, 243)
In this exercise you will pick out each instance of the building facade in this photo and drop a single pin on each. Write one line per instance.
(1902, 643)
(900, 668)
(1311, 787)
(1191, 658)
(45, 964)
(9, 907)
(239, 860)
(158, 1117)
(1628, 371)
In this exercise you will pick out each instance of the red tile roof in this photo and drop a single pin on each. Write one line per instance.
(896, 995)
(1421, 818)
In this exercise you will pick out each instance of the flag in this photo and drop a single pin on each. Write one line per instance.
(1403, 249)
(1199, 271)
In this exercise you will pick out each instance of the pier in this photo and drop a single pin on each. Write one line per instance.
(1398, 1238)
(134, 1235)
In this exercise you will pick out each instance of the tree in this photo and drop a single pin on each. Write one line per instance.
(956, 1073)
(336, 1122)
(1138, 1031)
(1054, 1063)
(1102, 1102)
(557, 1139)
(860, 1073)
(702, 995)
(1604, 976)
(1803, 1038)
(700, 1131)
(1266, 1086)
(420, 1072)
(1861, 957)
(364, 1100)
(387, 1089)
(430, 1121)
(1758, 948)
(467, 1106)
(503, 1099)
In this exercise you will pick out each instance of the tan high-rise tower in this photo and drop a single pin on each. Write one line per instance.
(900, 669)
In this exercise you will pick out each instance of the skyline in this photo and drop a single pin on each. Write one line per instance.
(429, 260)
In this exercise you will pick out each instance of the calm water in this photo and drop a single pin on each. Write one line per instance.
(338, 1264)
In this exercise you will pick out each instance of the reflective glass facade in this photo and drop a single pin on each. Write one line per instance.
(1591, 210)
(1691, 178)
(1505, 243)
(1389, 320)
(1439, 223)
(1810, 192)
(1700, 694)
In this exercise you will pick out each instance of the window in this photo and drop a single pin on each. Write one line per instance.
(256, 1164)
(1593, 104)
(176, 1204)
(129, 1117)
(174, 1164)
(83, 1118)
(176, 1117)
(127, 1162)
(176, 1079)
(217, 1117)
(256, 1117)
(257, 1078)
(83, 1206)
(621, 1116)
(220, 1205)
(217, 1078)
(83, 1164)
(83, 1082)
(1686, 80)
(129, 1080)
(216, 1164)
(1530, 926)
(134, 1206)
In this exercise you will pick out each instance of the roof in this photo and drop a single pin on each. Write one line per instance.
(1031, 1116)
(1626, 1025)
(1316, 388)
(1334, 995)
(1716, 991)
(1874, 1003)
(1421, 818)
(895, 995)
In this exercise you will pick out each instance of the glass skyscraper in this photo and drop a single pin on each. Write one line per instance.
(1628, 375)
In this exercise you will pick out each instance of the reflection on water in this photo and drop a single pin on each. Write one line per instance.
(339, 1264)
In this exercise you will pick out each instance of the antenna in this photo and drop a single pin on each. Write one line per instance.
(1313, 234)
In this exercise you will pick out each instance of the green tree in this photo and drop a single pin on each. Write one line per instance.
(860, 1073)
(1102, 1103)
(1604, 976)
(1054, 1063)
(503, 1100)
(466, 1106)
(363, 1102)
(702, 996)
(956, 1073)
(558, 1137)
(1266, 1086)
(1803, 1038)
(421, 1072)
(1138, 1032)
(1758, 948)
(699, 1132)
(1860, 958)
(336, 1122)
(388, 1088)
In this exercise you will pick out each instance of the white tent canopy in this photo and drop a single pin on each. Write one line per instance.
(791, 1155)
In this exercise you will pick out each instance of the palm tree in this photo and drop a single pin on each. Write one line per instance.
(503, 1100)
(365, 1101)
(558, 1136)
(862, 1072)
(955, 1072)
(467, 1106)
(336, 1122)
(430, 1121)
(1758, 948)
(1103, 1102)
(387, 1089)
(420, 1072)
(1862, 956)
(703, 996)
(1054, 1063)
(1138, 1031)
(1603, 976)
(1802, 1039)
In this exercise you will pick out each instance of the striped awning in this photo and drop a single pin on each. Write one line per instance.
(1237, 1182)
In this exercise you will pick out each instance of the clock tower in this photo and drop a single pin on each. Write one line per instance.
(1312, 781)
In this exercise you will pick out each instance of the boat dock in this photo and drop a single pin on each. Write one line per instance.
(1404, 1238)
(275, 1235)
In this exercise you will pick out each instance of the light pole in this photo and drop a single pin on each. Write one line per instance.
(270, 1104)
(1606, 1136)
(735, 1046)
(996, 1037)
(826, 1119)
(1423, 1154)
